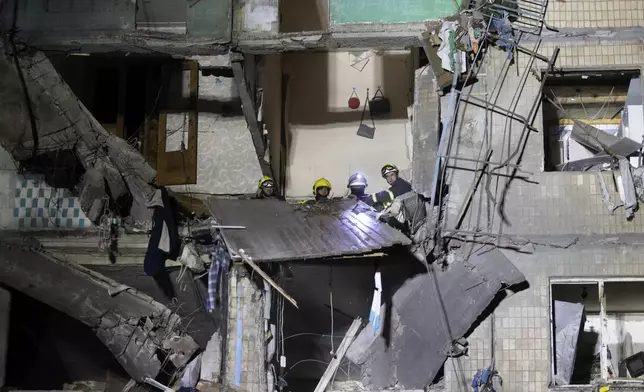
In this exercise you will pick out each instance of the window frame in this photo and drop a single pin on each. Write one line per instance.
(603, 356)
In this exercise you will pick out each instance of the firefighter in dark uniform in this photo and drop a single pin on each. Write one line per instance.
(397, 187)
(357, 185)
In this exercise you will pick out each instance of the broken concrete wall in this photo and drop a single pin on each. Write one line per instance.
(549, 204)
(522, 329)
(537, 202)
(428, 313)
(425, 129)
(63, 124)
(245, 344)
(134, 327)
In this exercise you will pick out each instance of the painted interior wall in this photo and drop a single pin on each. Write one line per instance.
(226, 159)
(322, 128)
(383, 11)
(304, 15)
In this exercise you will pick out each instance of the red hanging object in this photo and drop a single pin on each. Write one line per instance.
(354, 101)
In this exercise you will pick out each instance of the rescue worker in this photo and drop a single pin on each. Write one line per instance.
(397, 187)
(266, 188)
(322, 189)
(357, 185)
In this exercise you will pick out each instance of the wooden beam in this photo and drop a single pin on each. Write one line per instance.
(267, 278)
(248, 107)
(339, 355)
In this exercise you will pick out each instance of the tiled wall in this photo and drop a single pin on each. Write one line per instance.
(246, 338)
(28, 203)
(595, 13)
(522, 332)
(39, 206)
(540, 204)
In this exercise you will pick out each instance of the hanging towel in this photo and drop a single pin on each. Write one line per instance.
(164, 238)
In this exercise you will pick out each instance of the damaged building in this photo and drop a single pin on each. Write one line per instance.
(137, 250)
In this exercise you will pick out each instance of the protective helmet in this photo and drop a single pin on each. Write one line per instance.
(386, 169)
(266, 181)
(321, 183)
(357, 179)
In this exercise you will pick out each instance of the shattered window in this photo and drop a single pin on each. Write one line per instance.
(598, 331)
(590, 114)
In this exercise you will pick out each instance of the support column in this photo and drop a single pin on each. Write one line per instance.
(5, 307)
(246, 350)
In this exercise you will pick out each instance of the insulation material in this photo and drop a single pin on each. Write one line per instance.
(568, 322)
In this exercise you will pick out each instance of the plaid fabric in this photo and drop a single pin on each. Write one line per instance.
(220, 264)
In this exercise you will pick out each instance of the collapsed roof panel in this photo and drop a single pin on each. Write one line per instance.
(419, 339)
(278, 231)
(133, 326)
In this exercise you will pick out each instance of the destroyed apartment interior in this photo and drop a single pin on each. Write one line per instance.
(321, 195)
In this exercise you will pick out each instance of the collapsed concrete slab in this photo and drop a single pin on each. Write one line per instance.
(412, 353)
(144, 336)
(45, 117)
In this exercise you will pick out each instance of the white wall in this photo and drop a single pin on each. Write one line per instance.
(322, 129)
(627, 297)
(618, 325)
(226, 158)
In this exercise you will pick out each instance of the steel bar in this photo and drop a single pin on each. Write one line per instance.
(531, 53)
(481, 103)
(482, 161)
(470, 193)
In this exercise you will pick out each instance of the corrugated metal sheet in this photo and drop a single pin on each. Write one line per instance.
(276, 230)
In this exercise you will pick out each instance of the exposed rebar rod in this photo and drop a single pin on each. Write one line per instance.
(484, 162)
(497, 109)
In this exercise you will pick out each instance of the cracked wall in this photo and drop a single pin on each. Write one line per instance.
(552, 204)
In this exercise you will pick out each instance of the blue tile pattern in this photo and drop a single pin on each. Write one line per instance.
(39, 206)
